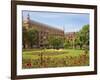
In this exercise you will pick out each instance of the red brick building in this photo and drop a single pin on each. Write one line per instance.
(44, 31)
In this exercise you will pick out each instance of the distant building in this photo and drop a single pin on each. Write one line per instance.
(70, 36)
(44, 31)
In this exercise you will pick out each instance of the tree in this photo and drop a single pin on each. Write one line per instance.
(24, 37)
(67, 44)
(56, 42)
(82, 38)
(32, 35)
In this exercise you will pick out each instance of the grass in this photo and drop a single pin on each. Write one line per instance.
(54, 58)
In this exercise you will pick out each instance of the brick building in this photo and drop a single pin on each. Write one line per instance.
(70, 37)
(44, 32)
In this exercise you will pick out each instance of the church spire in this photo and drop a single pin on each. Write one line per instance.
(28, 17)
(27, 21)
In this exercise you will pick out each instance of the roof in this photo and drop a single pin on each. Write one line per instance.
(43, 25)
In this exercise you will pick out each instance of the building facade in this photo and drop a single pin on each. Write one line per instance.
(44, 32)
(70, 38)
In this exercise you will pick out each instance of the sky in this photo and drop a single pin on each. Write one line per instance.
(69, 22)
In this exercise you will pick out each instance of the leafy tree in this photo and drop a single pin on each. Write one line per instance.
(32, 37)
(29, 37)
(82, 38)
(24, 36)
(67, 44)
(56, 42)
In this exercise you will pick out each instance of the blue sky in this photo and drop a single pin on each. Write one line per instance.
(69, 22)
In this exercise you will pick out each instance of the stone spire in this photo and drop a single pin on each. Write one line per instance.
(27, 22)
(28, 17)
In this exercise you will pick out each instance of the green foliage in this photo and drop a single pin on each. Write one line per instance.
(81, 40)
(67, 44)
(54, 58)
(32, 36)
(82, 37)
(24, 36)
(56, 42)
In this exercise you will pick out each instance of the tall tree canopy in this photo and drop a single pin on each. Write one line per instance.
(82, 38)
(32, 37)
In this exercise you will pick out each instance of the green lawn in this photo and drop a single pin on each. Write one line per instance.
(35, 58)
